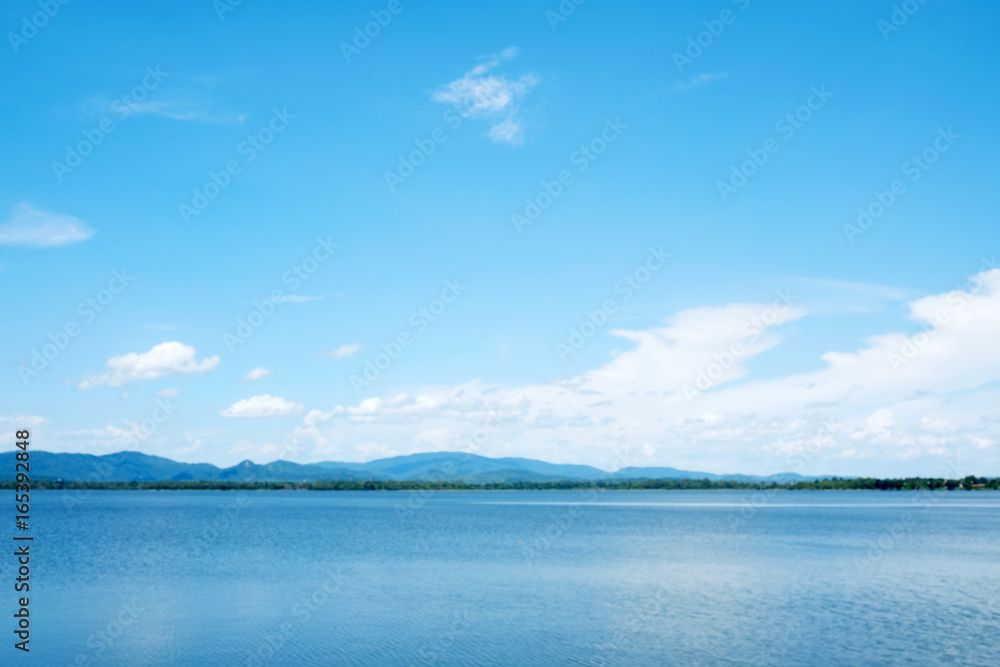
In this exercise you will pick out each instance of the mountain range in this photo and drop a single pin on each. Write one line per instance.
(436, 466)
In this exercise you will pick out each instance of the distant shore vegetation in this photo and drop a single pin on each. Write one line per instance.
(970, 483)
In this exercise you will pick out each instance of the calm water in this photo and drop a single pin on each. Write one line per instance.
(514, 578)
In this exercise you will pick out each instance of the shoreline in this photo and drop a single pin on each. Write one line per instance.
(832, 484)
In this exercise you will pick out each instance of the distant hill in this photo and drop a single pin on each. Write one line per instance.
(456, 466)
(674, 473)
(435, 466)
(474, 468)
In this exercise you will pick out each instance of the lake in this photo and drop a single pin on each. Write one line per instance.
(514, 578)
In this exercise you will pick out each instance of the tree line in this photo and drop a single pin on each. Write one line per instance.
(969, 483)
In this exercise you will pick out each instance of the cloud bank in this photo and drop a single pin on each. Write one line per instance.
(684, 395)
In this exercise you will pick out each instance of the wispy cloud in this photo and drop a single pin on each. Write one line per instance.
(343, 351)
(184, 98)
(830, 297)
(296, 298)
(862, 288)
(256, 374)
(184, 111)
(479, 94)
(508, 131)
(685, 85)
(29, 226)
(30, 421)
(163, 359)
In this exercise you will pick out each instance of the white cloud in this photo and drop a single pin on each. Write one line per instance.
(435, 438)
(196, 111)
(168, 393)
(314, 417)
(701, 79)
(189, 99)
(508, 131)
(479, 94)
(343, 351)
(836, 297)
(29, 226)
(163, 359)
(925, 399)
(256, 374)
(108, 438)
(262, 406)
(26, 421)
(371, 451)
(164, 109)
(296, 298)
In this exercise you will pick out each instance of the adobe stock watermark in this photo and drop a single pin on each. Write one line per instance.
(31, 25)
(627, 286)
(714, 28)
(453, 117)
(300, 612)
(779, 650)
(892, 535)
(787, 126)
(164, 410)
(750, 331)
(122, 107)
(750, 505)
(111, 633)
(294, 277)
(102, 473)
(638, 617)
(432, 651)
(234, 509)
(223, 7)
(248, 149)
(958, 648)
(140, 432)
(381, 18)
(915, 167)
(409, 163)
(581, 158)
(562, 13)
(901, 13)
(88, 310)
(957, 300)
(420, 320)
(467, 444)
(561, 525)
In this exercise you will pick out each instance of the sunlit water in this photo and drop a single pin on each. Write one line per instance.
(513, 578)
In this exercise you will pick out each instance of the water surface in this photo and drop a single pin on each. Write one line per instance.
(515, 578)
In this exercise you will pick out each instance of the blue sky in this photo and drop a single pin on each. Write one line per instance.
(313, 134)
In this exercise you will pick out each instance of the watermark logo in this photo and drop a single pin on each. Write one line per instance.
(248, 149)
(581, 158)
(30, 26)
